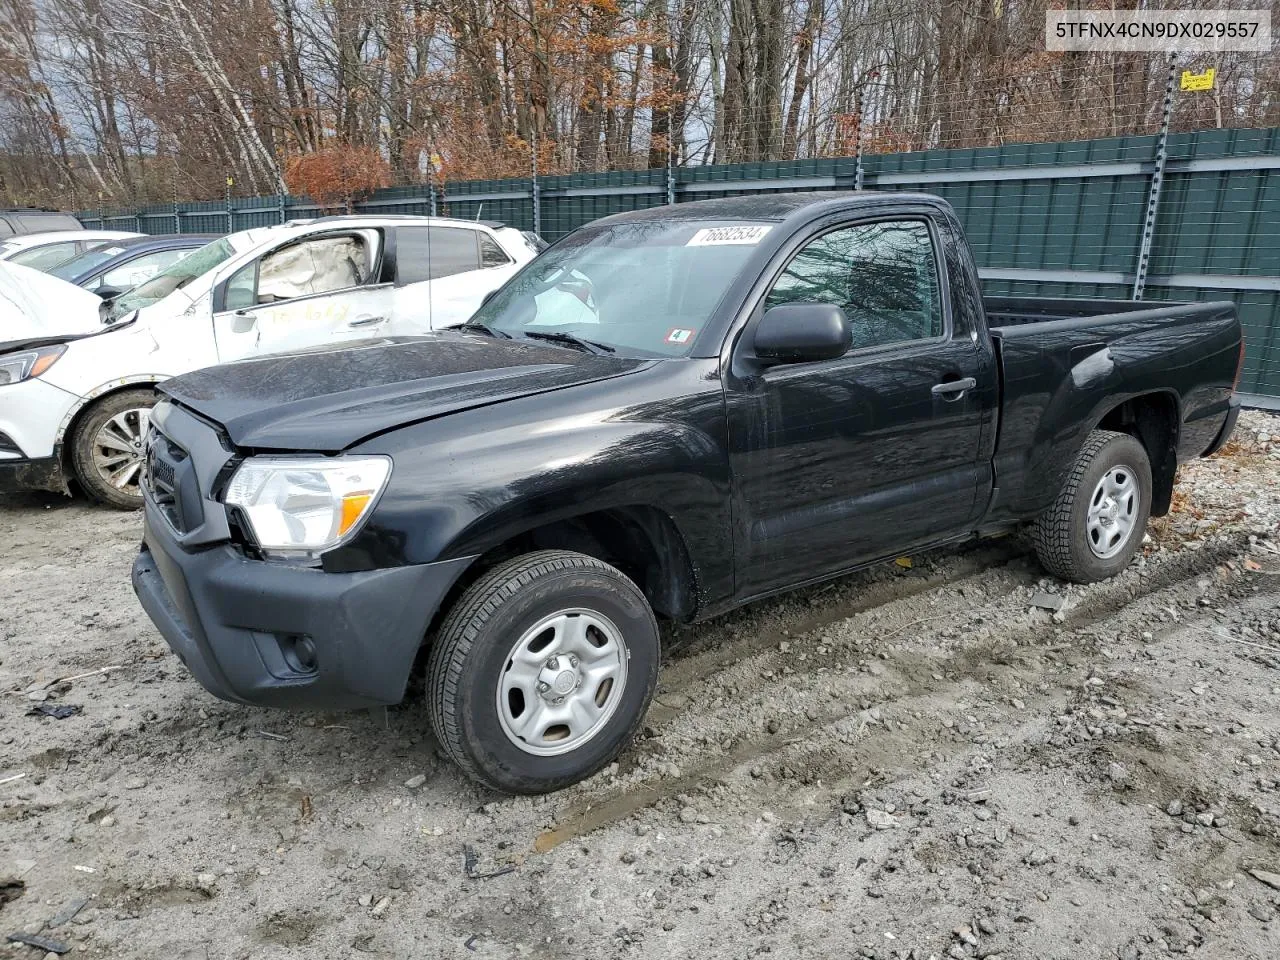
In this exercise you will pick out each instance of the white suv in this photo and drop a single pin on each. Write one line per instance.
(78, 405)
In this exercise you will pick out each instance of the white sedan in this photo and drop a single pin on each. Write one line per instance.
(44, 251)
(77, 406)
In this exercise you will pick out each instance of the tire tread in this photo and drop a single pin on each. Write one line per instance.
(463, 625)
(1053, 531)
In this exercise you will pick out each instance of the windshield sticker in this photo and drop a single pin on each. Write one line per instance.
(678, 335)
(727, 236)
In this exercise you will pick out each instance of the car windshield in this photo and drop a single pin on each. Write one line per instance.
(640, 288)
(172, 278)
(86, 261)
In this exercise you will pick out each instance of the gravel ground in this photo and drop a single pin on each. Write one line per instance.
(958, 757)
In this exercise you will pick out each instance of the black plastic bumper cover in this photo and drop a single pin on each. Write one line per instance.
(229, 618)
(43, 474)
(1228, 427)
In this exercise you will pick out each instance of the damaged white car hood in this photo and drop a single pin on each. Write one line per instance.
(35, 305)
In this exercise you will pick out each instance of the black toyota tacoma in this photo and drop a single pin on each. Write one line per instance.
(669, 413)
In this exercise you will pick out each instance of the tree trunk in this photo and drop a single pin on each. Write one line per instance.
(804, 76)
(734, 105)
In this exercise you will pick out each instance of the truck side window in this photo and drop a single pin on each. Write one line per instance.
(884, 275)
(966, 303)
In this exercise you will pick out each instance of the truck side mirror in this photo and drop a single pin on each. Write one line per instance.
(108, 293)
(802, 333)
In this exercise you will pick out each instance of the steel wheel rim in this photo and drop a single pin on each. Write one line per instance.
(119, 448)
(562, 681)
(1113, 512)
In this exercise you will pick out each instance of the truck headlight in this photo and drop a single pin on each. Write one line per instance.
(297, 507)
(16, 367)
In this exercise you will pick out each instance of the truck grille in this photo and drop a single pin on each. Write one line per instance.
(162, 475)
(165, 480)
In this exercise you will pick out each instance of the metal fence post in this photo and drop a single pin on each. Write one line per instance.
(231, 217)
(1157, 182)
(671, 160)
(431, 183)
(177, 210)
(858, 172)
(535, 192)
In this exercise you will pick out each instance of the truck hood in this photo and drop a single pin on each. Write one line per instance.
(326, 399)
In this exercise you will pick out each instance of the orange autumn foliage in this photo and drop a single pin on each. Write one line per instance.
(337, 176)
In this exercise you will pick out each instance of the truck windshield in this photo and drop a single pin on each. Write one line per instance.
(171, 278)
(643, 288)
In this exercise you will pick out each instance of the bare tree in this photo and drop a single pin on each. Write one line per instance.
(140, 100)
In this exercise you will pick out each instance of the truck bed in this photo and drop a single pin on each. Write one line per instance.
(1004, 312)
(1063, 363)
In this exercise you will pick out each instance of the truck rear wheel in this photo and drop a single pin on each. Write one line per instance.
(108, 448)
(542, 671)
(1097, 523)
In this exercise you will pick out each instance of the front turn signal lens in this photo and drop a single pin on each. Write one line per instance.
(353, 507)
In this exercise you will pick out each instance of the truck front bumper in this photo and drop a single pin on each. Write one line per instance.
(274, 635)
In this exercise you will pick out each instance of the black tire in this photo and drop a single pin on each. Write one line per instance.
(1061, 533)
(471, 653)
(83, 442)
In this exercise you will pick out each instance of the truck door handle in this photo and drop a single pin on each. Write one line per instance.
(953, 389)
(365, 321)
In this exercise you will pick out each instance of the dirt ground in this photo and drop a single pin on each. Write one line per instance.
(916, 761)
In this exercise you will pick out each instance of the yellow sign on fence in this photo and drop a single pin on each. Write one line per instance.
(1198, 81)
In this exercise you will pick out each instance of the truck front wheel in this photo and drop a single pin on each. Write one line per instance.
(542, 671)
(1097, 523)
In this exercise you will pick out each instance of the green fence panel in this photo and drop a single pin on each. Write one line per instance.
(1061, 210)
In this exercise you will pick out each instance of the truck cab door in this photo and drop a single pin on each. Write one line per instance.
(845, 461)
(443, 274)
(307, 292)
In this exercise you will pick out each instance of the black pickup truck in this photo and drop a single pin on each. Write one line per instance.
(669, 413)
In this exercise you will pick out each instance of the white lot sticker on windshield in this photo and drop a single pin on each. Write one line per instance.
(725, 236)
